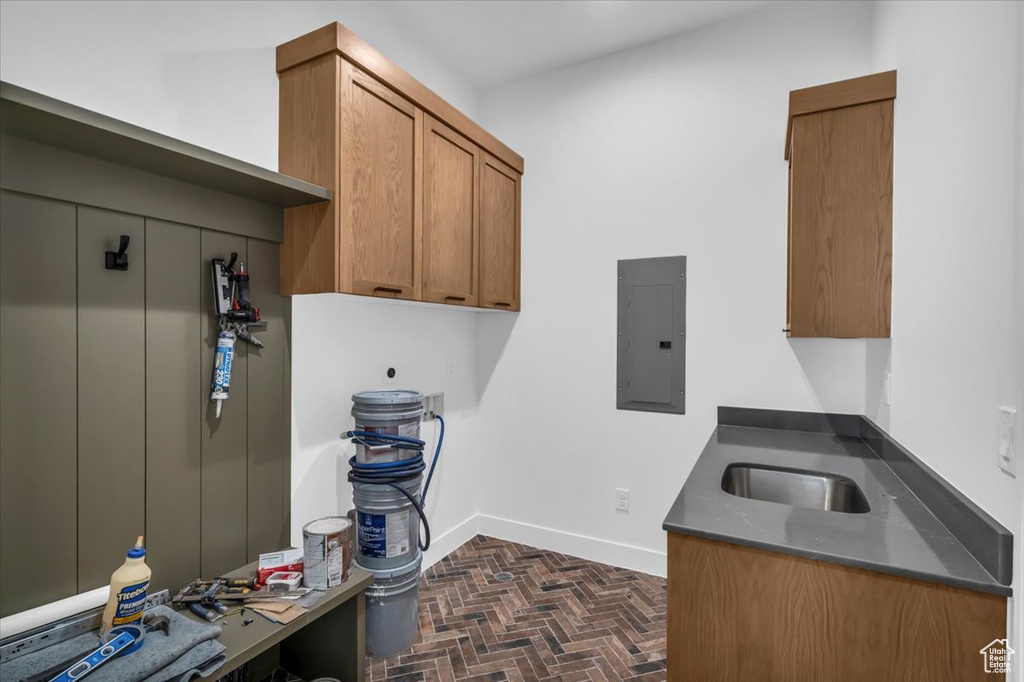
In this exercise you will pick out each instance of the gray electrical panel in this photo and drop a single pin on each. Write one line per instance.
(651, 374)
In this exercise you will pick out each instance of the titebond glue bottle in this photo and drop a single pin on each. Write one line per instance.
(128, 587)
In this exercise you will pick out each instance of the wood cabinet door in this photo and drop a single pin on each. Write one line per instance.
(789, 253)
(840, 237)
(499, 235)
(381, 185)
(745, 614)
(451, 221)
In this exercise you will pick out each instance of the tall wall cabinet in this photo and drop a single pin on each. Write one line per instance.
(427, 202)
(839, 147)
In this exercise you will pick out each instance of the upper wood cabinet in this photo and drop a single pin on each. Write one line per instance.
(381, 134)
(499, 235)
(451, 215)
(839, 147)
(427, 202)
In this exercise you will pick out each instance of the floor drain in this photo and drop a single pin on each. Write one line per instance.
(504, 577)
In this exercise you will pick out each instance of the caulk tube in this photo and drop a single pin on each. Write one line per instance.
(222, 368)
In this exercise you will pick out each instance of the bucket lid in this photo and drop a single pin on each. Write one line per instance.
(328, 525)
(402, 397)
(385, 573)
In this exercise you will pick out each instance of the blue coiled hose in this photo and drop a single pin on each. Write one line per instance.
(396, 473)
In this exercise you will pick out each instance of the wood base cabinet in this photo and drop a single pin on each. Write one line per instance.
(426, 204)
(741, 614)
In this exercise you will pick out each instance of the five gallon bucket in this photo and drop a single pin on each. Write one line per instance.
(392, 608)
(393, 412)
(388, 526)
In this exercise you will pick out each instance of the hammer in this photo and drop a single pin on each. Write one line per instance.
(158, 623)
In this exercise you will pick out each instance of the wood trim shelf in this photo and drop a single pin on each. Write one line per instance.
(335, 38)
(874, 88)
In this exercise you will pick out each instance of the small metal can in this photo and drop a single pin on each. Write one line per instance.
(326, 552)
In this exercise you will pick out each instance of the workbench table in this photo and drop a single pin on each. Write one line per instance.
(329, 640)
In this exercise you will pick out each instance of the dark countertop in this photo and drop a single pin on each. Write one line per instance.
(899, 535)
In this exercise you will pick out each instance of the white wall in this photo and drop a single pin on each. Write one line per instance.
(672, 148)
(204, 72)
(199, 71)
(341, 344)
(956, 184)
(958, 243)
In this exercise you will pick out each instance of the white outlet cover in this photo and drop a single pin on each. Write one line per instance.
(621, 499)
(433, 404)
(1006, 455)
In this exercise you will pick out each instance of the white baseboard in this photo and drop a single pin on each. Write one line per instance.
(582, 546)
(549, 539)
(449, 541)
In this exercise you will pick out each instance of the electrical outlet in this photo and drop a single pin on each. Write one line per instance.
(622, 499)
(887, 380)
(1006, 456)
(433, 406)
(449, 368)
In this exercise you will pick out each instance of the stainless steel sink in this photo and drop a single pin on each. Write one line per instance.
(795, 487)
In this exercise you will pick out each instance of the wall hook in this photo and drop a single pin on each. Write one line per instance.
(119, 260)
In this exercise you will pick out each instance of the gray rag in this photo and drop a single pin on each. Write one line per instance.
(189, 650)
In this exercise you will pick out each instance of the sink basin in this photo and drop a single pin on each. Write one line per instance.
(795, 487)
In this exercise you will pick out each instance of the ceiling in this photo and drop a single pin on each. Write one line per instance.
(491, 42)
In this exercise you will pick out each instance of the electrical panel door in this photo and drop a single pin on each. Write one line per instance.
(652, 335)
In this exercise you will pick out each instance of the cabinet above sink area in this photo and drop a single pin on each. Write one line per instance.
(797, 528)
(839, 147)
(427, 203)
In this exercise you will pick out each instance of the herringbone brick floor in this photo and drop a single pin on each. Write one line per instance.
(560, 618)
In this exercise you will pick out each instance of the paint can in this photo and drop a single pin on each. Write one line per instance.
(396, 413)
(326, 552)
(387, 524)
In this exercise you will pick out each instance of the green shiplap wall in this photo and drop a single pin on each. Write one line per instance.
(106, 431)
(224, 440)
(174, 379)
(111, 393)
(38, 402)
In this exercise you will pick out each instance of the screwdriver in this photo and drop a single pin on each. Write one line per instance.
(202, 611)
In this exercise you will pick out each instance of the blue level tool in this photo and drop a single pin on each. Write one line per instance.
(125, 639)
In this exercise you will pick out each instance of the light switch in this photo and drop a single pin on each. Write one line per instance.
(1005, 454)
